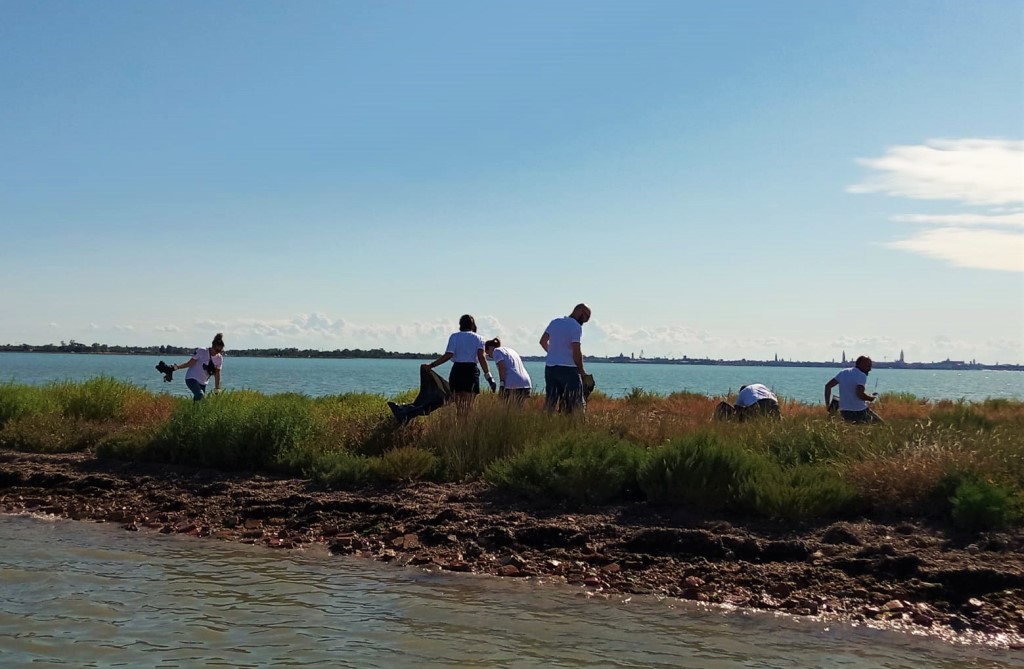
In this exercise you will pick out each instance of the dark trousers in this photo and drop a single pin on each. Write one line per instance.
(862, 416)
(564, 389)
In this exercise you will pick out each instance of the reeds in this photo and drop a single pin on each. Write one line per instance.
(958, 460)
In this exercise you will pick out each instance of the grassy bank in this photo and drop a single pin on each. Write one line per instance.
(959, 461)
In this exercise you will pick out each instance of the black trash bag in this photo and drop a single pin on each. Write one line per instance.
(724, 411)
(588, 385)
(434, 393)
(166, 370)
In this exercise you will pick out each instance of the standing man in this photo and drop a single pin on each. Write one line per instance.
(563, 367)
(853, 399)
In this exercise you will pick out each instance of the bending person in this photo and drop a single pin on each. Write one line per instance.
(563, 366)
(465, 349)
(514, 382)
(853, 399)
(757, 400)
(203, 364)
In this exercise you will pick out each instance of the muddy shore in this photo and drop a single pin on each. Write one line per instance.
(905, 574)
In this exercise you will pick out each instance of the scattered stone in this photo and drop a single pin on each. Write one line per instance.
(840, 534)
(973, 604)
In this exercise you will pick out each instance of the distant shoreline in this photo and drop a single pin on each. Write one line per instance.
(381, 354)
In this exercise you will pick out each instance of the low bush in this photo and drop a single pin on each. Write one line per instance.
(98, 399)
(978, 504)
(235, 430)
(17, 400)
(579, 467)
(404, 464)
(701, 470)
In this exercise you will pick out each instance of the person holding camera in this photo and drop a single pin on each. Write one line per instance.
(203, 364)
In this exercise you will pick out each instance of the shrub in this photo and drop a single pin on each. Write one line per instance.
(339, 468)
(493, 430)
(403, 464)
(801, 444)
(804, 492)
(235, 430)
(978, 504)
(580, 467)
(701, 470)
(16, 401)
(98, 399)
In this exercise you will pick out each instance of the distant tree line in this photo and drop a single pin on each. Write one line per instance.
(171, 350)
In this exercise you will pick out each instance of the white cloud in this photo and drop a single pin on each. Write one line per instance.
(963, 219)
(980, 249)
(971, 171)
(974, 171)
(168, 328)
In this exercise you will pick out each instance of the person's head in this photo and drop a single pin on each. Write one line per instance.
(863, 364)
(218, 343)
(490, 345)
(581, 313)
(467, 323)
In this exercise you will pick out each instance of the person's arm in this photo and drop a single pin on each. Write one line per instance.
(828, 391)
(544, 339)
(186, 365)
(482, 359)
(216, 379)
(502, 371)
(440, 361)
(861, 393)
(577, 357)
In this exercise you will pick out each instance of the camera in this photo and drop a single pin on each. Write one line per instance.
(209, 367)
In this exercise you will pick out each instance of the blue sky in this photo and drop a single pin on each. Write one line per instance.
(724, 179)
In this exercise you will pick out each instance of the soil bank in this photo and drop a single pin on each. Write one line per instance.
(904, 574)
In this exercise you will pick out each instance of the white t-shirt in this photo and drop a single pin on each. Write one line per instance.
(563, 333)
(516, 376)
(848, 380)
(464, 345)
(202, 357)
(754, 393)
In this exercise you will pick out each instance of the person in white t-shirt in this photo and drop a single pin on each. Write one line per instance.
(563, 366)
(203, 364)
(756, 399)
(514, 381)
(853, 398)
(465, 349)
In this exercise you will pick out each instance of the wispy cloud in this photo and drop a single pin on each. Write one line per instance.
(963, 247)
(974, 172)
(963, 219)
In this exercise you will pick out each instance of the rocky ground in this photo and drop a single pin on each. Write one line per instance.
(902, 575)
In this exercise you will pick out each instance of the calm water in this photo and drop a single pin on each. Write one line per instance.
(389, 377)
(88, 595)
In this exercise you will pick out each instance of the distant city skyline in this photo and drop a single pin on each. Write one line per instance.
(715, 180)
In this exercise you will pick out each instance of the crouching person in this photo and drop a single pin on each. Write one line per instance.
(757, 400)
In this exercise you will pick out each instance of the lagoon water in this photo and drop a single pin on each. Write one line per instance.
(93, 595)
(318, 377)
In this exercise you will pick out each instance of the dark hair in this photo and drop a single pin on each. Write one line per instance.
(467, 323)
(492, 343)
(218, 339)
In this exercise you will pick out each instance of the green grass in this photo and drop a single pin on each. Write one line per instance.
(961, 461)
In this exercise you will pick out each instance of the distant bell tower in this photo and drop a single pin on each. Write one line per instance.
(901, 356)
(844, 357)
